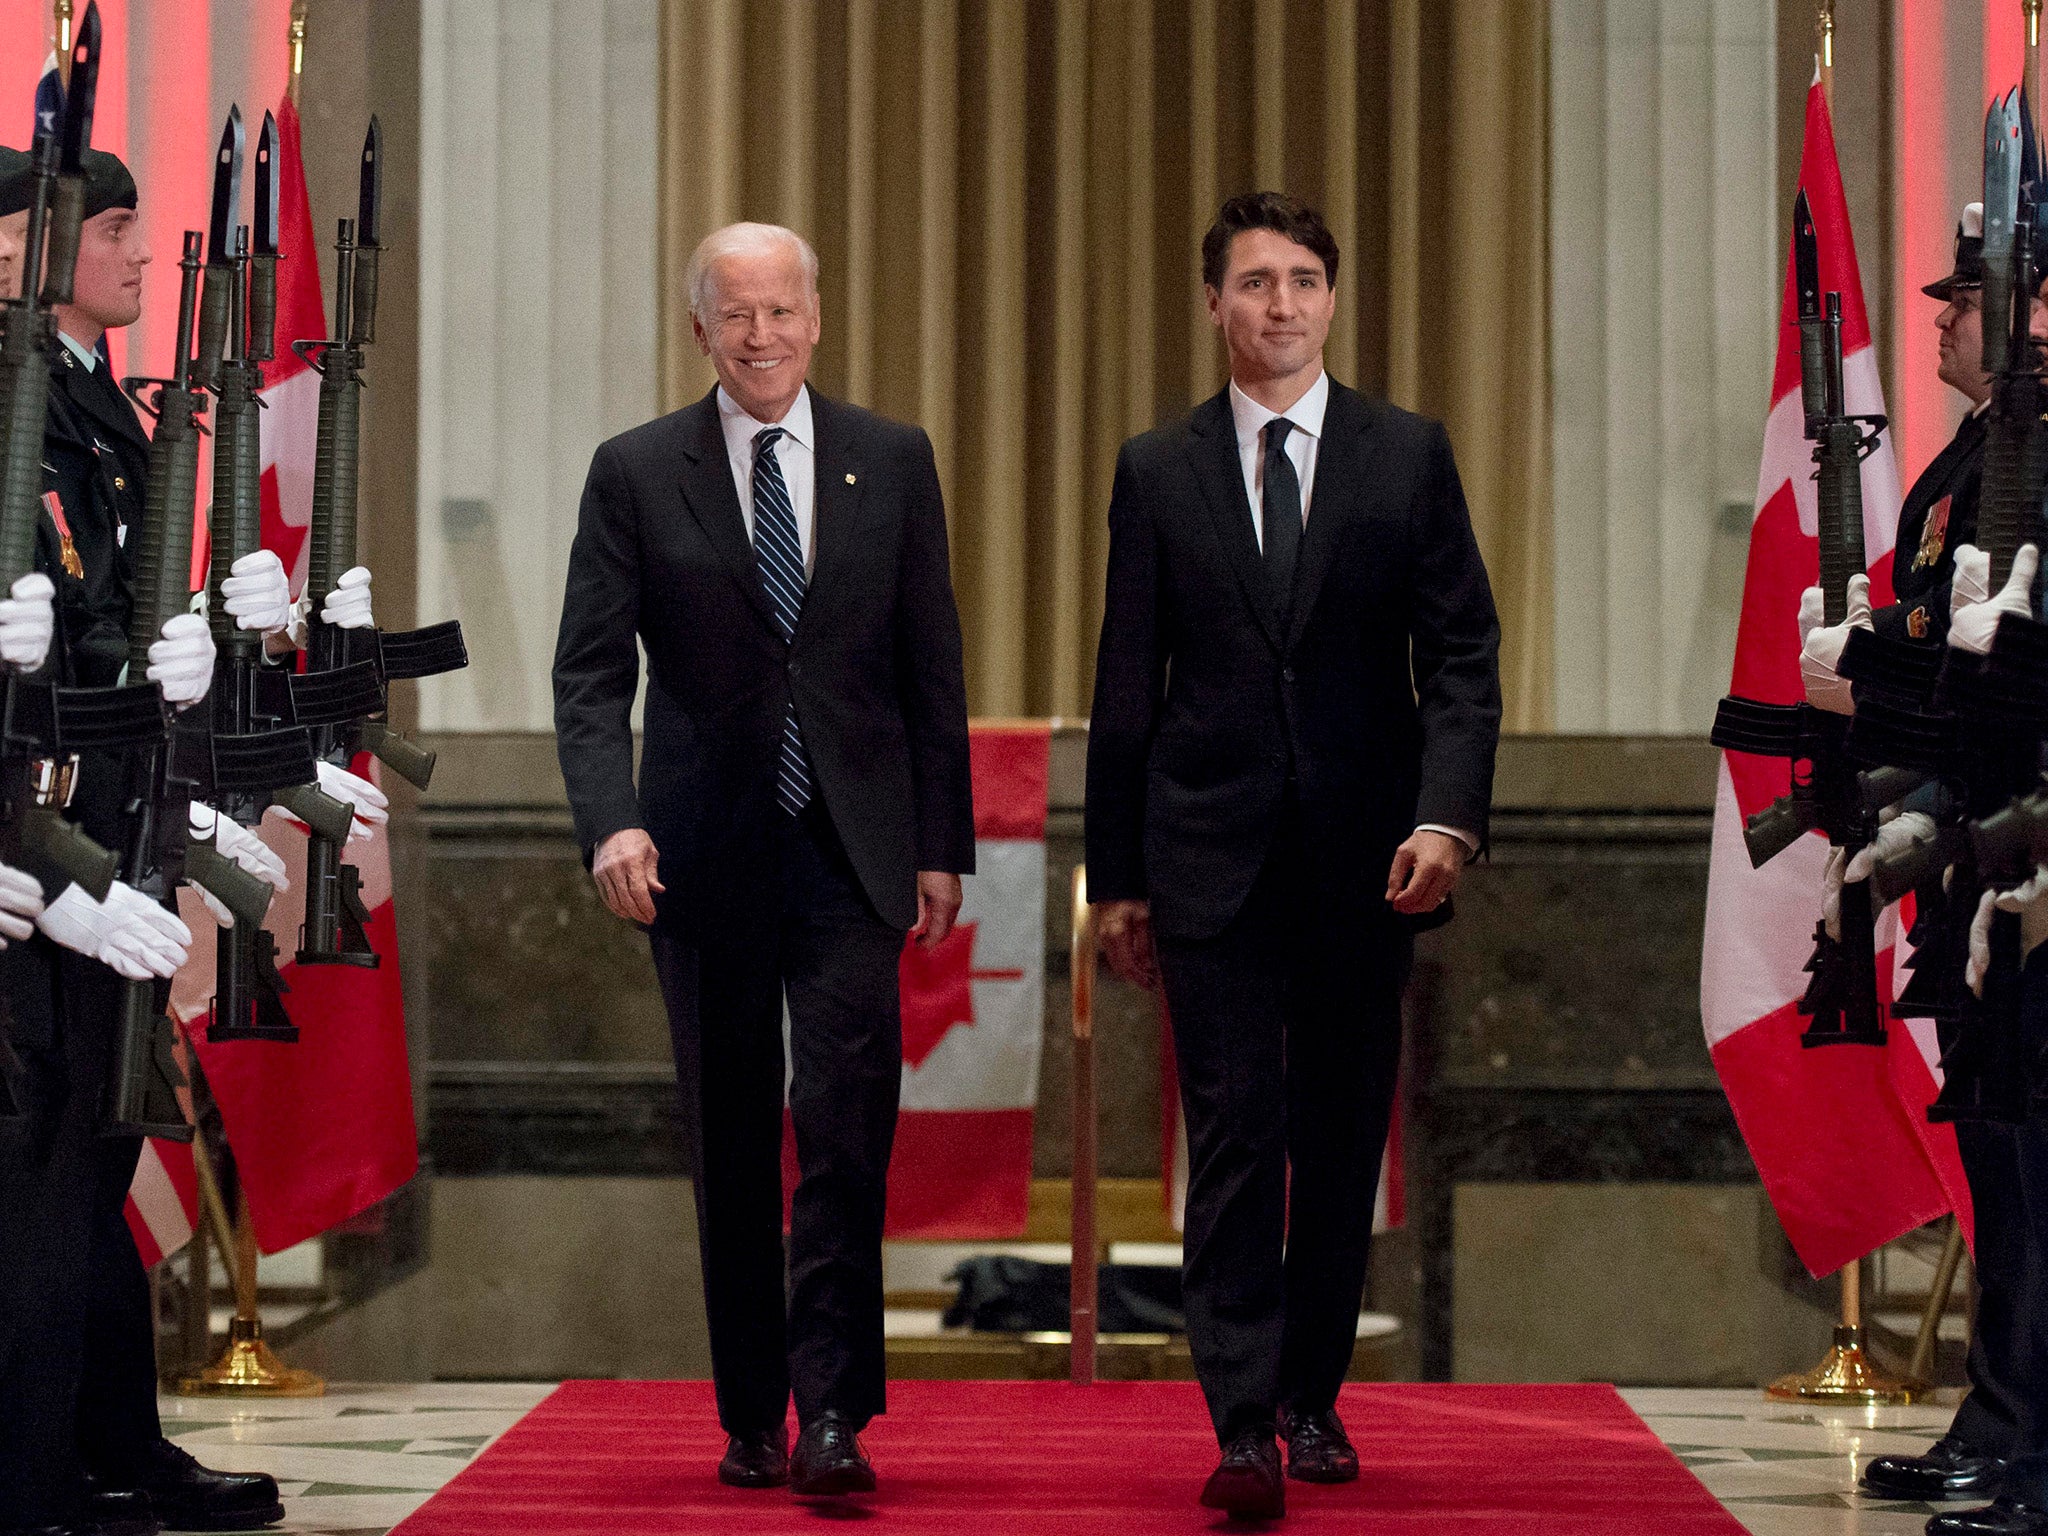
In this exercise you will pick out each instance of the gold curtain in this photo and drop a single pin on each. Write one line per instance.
(1008, 196)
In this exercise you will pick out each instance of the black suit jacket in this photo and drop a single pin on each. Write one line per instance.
(1380, 698)
(661, 553)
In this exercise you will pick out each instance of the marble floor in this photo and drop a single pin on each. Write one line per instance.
(361, 1459)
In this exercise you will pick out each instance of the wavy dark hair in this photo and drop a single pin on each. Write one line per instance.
(1288, 216)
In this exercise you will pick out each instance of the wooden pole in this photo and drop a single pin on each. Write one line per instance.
(1082, 1264)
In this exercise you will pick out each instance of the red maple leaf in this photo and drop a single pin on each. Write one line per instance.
(937, 991)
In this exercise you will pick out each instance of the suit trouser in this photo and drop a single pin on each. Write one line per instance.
(71, 1184)
(1287, 1039)
(1988, 1418)
(812, 936)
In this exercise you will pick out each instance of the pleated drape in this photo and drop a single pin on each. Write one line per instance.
(1007, 197)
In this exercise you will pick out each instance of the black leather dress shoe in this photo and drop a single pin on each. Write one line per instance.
(2001, 1517)
(1318, 1450)
(829, 1463)
(756, 1460)
(99, 1514)
(1951, 1469)
(189, 1497)
(1246, 1483)
(118, 1512)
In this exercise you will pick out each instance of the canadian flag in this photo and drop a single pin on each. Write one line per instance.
(321, 1129)
(974, 1016)
(1839, 1135)
(163, 1201)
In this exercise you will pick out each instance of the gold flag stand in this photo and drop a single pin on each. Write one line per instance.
(247, 1367)
(1846, 1374)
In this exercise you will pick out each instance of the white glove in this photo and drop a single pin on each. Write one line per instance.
(371, 805)
(1972, 581)
(181, 663)
(1979, 965)
(1974, 627)
(1893, 838)
(127, 931)
(21, 902)
(258, 593)
(1831, 877)
(2018, 899)
(1820, 646)
(348, 605)
(27, 621)
(238, 843)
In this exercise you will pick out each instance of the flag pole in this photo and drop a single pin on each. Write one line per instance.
(1824, 49)
(2031, 74)
(297, 34)
(60, 13)
(246, 1368)
(1082, 1234)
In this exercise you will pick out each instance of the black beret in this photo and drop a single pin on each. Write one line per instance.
(107, 183)
(17, 184)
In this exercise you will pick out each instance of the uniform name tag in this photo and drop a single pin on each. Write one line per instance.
(67, 551)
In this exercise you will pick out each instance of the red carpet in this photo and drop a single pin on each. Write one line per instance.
(1048, 1459)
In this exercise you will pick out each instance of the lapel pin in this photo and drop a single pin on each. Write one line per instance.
(849, 478)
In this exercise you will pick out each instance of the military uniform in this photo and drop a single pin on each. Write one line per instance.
(78, 1367)
(65, 1007)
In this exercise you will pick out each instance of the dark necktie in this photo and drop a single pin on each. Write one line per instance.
(1281, 511)
(780, 555)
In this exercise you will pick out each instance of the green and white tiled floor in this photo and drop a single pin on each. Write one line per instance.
(361, 1459)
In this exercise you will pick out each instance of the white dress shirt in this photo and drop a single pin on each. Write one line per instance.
(795, 453)
(1306, 417)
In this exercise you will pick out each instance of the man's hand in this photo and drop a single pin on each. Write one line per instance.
(181, 663)
(625, 872)
(1974, 627)
(1821, 645)
(1426, 870)
(938, 903)
(28, 619)
(1123, 931)
(258, 594)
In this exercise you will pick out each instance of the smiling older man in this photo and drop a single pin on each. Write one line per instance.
(803, 803)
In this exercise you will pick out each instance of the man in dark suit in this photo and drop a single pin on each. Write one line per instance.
(803, 802)
(1290, 760)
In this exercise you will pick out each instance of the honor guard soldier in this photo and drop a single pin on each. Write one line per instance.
(81, 1448)
(1938, 517)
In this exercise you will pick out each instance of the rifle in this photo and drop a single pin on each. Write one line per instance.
(1831, 797)
(253, 758)
(334, 931)
(158, 853)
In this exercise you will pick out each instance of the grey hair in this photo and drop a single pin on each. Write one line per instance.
(744, 240)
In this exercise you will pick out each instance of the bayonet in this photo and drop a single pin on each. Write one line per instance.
(2001, 215)
(361, 326)
(1806, 281)
(216, 299)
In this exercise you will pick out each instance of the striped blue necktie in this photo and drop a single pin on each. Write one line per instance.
(780, 556)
